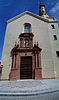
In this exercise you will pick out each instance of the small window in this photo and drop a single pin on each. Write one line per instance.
(53, 27)
(55, 37)
(57, 52)
(27, 28)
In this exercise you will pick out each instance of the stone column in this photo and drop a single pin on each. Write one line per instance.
(36, 61)
(14, 62)
(17, 61)
(33, 67)
(39, 60)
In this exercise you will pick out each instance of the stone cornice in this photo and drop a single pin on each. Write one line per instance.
(33, 15)
(26, 49)
(26, 35)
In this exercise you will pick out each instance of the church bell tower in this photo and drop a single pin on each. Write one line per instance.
(42, 9)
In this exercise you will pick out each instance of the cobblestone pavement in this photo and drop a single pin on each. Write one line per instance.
(20, 83)
(29, 89)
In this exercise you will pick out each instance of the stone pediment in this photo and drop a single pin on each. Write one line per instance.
(45, 19)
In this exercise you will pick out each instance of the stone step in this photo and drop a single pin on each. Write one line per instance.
(33, 89)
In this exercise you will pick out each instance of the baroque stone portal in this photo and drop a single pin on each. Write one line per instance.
(26, 59)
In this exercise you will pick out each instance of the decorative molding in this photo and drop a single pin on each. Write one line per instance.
(33, 15)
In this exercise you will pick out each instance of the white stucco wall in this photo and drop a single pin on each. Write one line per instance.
(55, 46)
(41, 34)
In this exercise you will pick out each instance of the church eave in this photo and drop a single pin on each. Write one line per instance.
(33, 15)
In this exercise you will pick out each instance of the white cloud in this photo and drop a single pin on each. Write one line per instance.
(55, 8)
(54, 11)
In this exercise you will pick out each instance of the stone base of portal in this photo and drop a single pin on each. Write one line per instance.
(38, 73)
(14, 74)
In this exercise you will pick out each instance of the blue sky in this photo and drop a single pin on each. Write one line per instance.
(12, 8)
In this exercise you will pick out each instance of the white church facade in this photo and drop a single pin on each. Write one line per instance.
(46, 33)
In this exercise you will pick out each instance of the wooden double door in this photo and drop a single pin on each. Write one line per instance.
(26, 67)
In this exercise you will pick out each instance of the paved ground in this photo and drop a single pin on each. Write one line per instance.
(30, 90)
